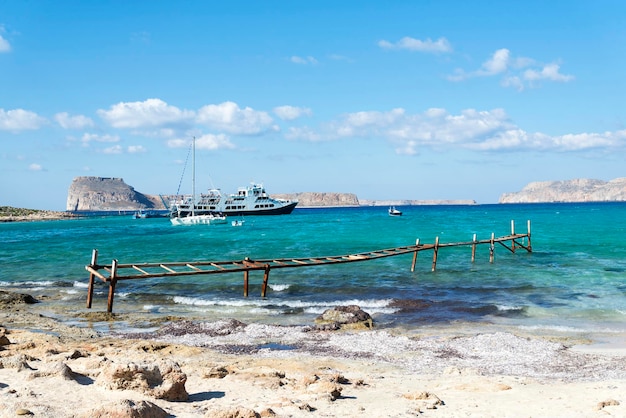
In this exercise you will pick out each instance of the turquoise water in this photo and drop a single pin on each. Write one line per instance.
(574, 281)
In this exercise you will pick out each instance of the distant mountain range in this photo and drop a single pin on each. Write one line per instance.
(577, 190)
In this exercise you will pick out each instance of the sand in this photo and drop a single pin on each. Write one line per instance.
(231, 369)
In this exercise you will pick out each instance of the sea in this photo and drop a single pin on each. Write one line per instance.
(573, 283)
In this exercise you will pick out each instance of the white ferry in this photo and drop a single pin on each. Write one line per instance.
(251, 200)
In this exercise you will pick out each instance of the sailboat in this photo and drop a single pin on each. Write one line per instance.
(191, 218)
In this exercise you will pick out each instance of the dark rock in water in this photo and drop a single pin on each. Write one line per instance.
(351, 316)
(13, 298)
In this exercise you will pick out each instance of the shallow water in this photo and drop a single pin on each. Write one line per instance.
(573, 282)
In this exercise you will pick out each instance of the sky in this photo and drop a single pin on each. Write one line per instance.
(387, 100)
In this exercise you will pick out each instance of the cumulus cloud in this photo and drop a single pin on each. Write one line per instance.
(147, 114)
(412, 44)
(20, 120)
(72, 122)
(291, 112)
(479, 130)
(208, 142)
(303, 60)
(230, 118)
(516, 72)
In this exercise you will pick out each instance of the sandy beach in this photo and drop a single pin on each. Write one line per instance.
(227, 368)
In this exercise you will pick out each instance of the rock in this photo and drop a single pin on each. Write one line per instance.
(577, 190)
(428, 400)
(604, 404)
(162, 381)
(341, 316)
(238, 412)
(4, 340)
(320, 199)
(128, 409)
(14, 298)
(107, 194)
(23, 411)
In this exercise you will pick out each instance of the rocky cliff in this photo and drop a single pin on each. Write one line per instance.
(107, 194)
(318, 199)
(578, 190)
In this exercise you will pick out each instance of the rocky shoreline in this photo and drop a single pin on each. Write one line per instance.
(230, 369)
(11, 214)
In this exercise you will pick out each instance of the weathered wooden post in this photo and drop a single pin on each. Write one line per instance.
(417, 243)
(94, 261)
(266, 277)
(435, 250)
(112, 283)
(246, 274)
(492, 248)
(474, 248)
(530, 247)
(512, 233)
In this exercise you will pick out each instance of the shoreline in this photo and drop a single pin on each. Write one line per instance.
(53, 369)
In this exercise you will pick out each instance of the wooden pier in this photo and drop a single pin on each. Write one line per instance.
(115, 272)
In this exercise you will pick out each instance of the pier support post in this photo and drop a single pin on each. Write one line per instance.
(112, 283)
(474, 248)
(266, 276)
(513, 233)
(417, 243)
(246, 275)
(492, 248)
(530, 247)
(94, 261)
(435, 250)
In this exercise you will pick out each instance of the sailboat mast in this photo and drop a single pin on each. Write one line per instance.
(193, 179)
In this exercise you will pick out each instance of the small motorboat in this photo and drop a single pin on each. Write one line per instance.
(394, 212)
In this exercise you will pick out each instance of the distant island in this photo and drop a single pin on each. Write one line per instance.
(90, 194)
(577, 190)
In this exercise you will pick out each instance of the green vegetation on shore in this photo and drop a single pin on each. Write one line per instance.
(11, 214)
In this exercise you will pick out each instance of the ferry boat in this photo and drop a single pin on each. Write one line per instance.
(250, 200)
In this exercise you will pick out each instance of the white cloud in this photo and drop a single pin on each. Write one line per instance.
(5, 46)
(73, 122)
(35, 167)
(147, 114)
(87, 137)
(229, 117)
(412, 44)
(548, 72)
(20, 120)
(291, 112)
(115, 149)
(516, 72)
(208, 142)
(303, 60)
(439, 130)
(136, 149)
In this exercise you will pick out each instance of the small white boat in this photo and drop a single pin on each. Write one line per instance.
(191, 217)
(238, 222)
(210, 219)
(394, 212)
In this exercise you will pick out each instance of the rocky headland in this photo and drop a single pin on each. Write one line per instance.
(577, 190)
(108, 194)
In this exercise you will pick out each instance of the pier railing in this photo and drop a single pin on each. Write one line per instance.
(115, 272)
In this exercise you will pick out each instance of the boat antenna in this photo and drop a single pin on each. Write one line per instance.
(184, 167)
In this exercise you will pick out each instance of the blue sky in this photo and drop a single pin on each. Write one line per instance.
(388, 100)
